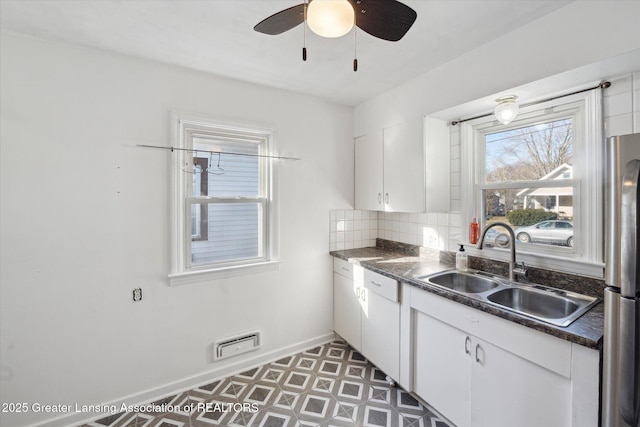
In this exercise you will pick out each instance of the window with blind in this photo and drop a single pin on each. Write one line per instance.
(223, 197)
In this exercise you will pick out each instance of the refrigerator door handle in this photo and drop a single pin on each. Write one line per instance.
(630, 256)
(629, 334)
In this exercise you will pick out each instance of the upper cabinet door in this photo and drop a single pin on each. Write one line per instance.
(404, 168)
(369, 172)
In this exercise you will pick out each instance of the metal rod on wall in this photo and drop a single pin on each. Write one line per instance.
(602, 85)
(191, 150)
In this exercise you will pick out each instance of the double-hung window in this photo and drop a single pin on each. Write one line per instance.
(542, 175)
(223, 204)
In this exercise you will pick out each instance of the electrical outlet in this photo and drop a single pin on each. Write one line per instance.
(137, 294)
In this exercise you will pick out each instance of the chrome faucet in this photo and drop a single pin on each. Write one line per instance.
(512, 262)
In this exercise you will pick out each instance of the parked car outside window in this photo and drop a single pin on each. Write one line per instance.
(555, 232)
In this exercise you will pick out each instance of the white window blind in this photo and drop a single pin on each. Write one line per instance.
(223, 201)
(227, 201)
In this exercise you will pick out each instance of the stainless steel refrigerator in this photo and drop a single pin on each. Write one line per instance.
(621, 348)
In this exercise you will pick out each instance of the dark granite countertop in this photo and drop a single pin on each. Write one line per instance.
(396, 262)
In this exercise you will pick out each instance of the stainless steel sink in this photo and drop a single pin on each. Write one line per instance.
(548, 304)
(465, 283)
(543, 303)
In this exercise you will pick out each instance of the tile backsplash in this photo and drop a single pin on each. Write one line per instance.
(351, 229)
(358, 228)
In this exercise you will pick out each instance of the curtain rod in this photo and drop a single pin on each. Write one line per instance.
(602, 85)
(191, 150)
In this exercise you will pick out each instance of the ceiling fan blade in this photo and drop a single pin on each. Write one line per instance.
(282, 21)
(386, 19)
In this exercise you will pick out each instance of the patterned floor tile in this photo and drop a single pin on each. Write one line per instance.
(261, 394)
(306, 363)
(331, 385)
(379, 416)
(355, 357)
(351, 390)
(315, 408)
(316, 351)
(275, 417)
(232, 388)
(287, 400)
(242, 419)
(345, 412)
(285, 362)
(298, 381)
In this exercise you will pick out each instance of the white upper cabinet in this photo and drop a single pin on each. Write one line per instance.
(369, 172)
(391, 166)
(404, 168)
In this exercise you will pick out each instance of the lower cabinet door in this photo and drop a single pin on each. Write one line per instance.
(442, 368)
(347, 310)
(381, 332)
(509, 391)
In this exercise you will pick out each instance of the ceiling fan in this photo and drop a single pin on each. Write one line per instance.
(386, 19)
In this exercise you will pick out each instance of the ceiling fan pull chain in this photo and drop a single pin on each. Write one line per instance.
(304, 40)
(355, 46)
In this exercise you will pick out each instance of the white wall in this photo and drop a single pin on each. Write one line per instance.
(85, 220)
(581, 33)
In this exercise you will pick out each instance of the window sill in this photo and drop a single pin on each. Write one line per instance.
(570, 264)
(200, 276)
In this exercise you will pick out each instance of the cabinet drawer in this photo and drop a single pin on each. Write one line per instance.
(381, 285)
(343, 268)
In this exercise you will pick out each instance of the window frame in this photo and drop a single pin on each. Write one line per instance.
(586, 110)
(185, 128)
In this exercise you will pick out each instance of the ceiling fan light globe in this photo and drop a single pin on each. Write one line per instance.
(507, 109)
(330, 18)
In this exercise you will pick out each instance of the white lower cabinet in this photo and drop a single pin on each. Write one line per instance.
(366, 313)
(346, 310)
(475, 383)
(381, 323)
(482, 371)
(442, 371)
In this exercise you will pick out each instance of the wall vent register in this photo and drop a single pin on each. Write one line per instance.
(236, 345)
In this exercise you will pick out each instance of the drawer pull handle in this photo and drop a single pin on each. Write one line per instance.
(477, 357)
(345, 269)
(467, 345)
(374, 283)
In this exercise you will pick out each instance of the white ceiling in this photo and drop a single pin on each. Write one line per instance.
(217, 36)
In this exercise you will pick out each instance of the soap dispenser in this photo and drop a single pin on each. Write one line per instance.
(462, 262)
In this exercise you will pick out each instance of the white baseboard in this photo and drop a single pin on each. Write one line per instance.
(152, 395)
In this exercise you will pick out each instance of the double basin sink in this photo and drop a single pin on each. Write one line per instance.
(543, 303)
